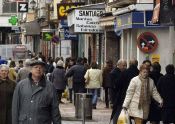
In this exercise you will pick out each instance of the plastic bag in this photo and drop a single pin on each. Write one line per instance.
(123, 117)
(65, 93)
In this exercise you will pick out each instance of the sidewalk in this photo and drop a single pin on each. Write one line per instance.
(101, 115)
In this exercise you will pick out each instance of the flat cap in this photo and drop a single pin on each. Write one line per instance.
(37, 62)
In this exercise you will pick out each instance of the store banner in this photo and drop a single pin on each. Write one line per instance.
(87, 21)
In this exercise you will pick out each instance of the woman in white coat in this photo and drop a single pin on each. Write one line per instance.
(94, 79)
(138, 95)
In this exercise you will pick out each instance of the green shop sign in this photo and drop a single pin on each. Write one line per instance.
(13, 20)
(47, 36)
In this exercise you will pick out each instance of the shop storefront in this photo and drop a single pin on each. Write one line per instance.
(141, 39)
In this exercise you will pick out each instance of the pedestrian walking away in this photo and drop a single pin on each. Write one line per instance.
(94, 79)
(58, 79)
(34, 99)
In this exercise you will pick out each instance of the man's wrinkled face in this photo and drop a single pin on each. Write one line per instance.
(144, 73)
(4, 73)
(37, 70)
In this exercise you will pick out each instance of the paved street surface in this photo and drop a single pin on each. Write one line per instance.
(101, 115)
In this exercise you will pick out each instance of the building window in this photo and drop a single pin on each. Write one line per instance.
(9, 7)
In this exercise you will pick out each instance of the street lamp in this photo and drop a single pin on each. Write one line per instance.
(33, 4)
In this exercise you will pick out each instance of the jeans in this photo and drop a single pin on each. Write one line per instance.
(94, 93)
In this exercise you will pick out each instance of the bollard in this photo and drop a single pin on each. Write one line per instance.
(83, 109)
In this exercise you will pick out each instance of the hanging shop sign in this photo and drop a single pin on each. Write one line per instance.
(47, 36)
(20, 52)
(22, 7)
(63, 7)
(129, 20)
(147, 42)
(87, 21)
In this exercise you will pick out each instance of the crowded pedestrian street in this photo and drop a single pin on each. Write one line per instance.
(87, 61)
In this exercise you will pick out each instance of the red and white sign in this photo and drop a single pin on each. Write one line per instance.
(147, 42)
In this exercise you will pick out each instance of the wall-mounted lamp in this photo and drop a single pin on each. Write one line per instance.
(33, 4)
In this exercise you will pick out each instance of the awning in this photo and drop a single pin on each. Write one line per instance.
(107, 21)
(31, 28)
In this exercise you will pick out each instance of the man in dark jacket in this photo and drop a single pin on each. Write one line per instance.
(123, 83)
(115, 74)
(77, 71)
(34, 99)
(166, 87)
(7, 88)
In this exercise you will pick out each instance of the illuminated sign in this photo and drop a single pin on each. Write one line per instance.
(63, 7)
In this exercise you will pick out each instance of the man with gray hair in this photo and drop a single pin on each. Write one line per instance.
(7, 87)
(123, 83)
(115, 74)
(24, 72)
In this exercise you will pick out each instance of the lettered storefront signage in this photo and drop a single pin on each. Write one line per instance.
(147, 42)
(87, 21)
(63, 7)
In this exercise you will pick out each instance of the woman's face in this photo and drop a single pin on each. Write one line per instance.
(144, 73)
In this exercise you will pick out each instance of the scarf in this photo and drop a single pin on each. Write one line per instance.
(145, 92)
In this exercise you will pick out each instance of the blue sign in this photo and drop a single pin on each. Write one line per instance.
(67, 34)
(148, 18)
(129, 20)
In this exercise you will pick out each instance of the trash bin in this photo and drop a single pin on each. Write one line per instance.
(88, 105)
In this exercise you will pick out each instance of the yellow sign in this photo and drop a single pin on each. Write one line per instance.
(155, 58)
(63, 7)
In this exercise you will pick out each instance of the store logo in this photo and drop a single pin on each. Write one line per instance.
(22, 6)
(13, 20)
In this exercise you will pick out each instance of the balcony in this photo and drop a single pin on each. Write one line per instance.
(121, 3)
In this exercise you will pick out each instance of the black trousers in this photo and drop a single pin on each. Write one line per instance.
(59, 94)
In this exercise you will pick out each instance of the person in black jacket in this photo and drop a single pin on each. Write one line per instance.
(155, 111)
(123, 83)
(115, 74)
(107, 81)
(77, 71)
(166, 87)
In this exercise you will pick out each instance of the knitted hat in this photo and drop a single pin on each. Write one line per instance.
(60, 63)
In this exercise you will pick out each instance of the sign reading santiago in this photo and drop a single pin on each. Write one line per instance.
(87, 21)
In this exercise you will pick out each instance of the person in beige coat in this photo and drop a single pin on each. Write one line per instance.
(138, 95)
(94, 79)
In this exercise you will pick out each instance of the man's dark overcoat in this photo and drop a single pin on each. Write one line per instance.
(6, 94)
(166, 87)
(35, 105)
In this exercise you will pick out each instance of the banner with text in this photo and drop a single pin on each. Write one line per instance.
(87, 21)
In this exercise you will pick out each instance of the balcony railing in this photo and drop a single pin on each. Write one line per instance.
(121, 3)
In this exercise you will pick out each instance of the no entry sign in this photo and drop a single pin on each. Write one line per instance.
(147, 42)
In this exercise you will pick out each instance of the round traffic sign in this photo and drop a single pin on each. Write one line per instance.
(147, 42)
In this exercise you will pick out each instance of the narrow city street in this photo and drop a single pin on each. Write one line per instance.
(101, 115)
